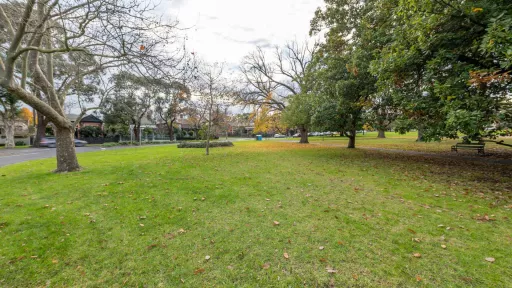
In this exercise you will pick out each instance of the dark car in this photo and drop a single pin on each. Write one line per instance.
(50, 142)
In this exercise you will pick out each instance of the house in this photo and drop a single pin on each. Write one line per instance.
(88, 120)
(21, 131)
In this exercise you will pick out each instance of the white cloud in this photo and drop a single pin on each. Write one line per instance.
(226, 30)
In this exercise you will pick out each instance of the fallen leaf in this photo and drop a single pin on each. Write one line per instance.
(265, 266)
(141, 225)
(331, 270)
(416, 240)
(199, 271)
(323, 260)
(230, 267)
(355, 276)
(443, 246)
(417, 255)
(340, 243)
(181, 231)
(321, 247)
(490, 259)
(55, 261)
(207, 257)
(285, 255)
(418, 278)
(412, 231)
(276, 223)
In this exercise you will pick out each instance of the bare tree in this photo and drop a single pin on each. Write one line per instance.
(213, 87)
(281, 76)
(95, 35)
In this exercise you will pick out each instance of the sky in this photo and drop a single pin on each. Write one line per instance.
(227, 30)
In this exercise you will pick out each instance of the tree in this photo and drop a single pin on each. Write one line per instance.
(171, 102)
(447, 64)
(99, 35)
(9, 111)
(267, 120)
(271, 82)
(298, 114)
(27, 115)
(213, 87)
(130, 101)
(344, 83)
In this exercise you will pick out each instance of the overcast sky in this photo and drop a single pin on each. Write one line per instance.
(226, 30)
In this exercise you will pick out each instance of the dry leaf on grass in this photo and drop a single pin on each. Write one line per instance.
(276, 223)
(265, 266)
(199, 271)
(207, 257)
(417, 255)
(331, 270)
(285, 255)
(443, 246)
(355, 276)
(416, 240)
(490, 259)
(418, 278)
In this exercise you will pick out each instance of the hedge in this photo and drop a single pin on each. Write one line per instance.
(203, 144)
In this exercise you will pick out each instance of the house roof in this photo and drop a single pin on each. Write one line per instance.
(91, 119)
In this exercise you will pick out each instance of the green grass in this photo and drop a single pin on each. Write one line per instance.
(148, 217)
(407, 142)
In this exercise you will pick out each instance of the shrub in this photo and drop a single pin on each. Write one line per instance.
(19, 143)
(203, 144)
(90, 131)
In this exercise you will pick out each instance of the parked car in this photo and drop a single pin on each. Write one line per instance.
(279, 136)
(296, 135)
(50, 142)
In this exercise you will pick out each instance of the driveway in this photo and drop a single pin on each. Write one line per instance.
(12, 156)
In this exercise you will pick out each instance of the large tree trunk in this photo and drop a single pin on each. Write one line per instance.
(351, 139)
(66, 154)
(136, 134)
(420, 135)
(9, 133)
(303, 135)
(170, 131)
(42, 122)
(382, 133)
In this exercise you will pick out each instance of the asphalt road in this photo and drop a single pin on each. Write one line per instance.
(12, 156)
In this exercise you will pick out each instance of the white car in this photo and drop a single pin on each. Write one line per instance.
(279, 136)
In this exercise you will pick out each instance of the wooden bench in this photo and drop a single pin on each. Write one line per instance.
(471, 146)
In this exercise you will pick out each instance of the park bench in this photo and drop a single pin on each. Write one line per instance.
(470, 146)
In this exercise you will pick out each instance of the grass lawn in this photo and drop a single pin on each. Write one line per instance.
(407, 142)
(266, 214)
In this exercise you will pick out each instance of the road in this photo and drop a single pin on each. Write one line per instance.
(11, 156)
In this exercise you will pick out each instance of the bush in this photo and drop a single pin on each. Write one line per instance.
(90, 131)
(20, 143)
(203, 144)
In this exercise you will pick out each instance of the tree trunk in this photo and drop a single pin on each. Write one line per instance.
(66, 154)
(382, 133)
(42, 122)
(170, 131)
(420, 135)
(136, 134)
(9, 133)
(303, 135)
(352, 139)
